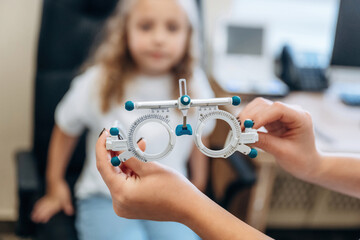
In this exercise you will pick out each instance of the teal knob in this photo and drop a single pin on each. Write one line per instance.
(248, 123)
(185, 100)
(115, 161)
(114, 131)
(236, 100)
(180, 130)
(253, 153)
(129, 105)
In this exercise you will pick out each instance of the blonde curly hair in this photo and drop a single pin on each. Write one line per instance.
(117, 64)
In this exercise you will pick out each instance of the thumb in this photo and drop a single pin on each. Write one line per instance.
(142, 144)
(135, 164)
(68, 208)
(268, 143)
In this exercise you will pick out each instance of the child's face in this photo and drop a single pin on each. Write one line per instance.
(157, 35)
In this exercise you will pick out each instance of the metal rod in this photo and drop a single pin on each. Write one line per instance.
(184, 121)
(156, 104)
(174, 103)
(210, 102)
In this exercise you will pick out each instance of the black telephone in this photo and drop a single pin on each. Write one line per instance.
(299, 78)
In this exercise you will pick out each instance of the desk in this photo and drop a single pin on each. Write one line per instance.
(337, 129)
(336, 125)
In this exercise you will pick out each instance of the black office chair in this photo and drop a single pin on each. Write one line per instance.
(67, 32)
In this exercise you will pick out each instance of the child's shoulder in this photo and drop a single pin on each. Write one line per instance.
(89, 77)
(87, 84)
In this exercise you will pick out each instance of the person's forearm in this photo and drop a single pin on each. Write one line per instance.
(210, 221)
(339, 173)
(60, 150)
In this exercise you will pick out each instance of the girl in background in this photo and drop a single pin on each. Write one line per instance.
(149, 45)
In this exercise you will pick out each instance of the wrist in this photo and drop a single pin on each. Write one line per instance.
(53, 182)
(314, 168)
(210, 221)
(193, 210)
(205, 217)
(191, 199)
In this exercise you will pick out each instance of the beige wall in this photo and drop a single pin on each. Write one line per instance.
(19, 23)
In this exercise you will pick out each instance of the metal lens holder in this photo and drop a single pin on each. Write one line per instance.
(207, 111)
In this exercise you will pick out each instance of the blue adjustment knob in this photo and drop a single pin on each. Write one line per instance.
(129, 105)
(114, 131)
(253, 153)
(248, 123)
(115, 161)
(236, 100)
(180, 130)
(185, 100)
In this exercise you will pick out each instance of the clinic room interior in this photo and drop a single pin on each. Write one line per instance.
(299, 52)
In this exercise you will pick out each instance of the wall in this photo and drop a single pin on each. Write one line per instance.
(19, 24)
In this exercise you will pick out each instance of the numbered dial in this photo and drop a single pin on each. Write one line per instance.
(134, 128)
(231, 147)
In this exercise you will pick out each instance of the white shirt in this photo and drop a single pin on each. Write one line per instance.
(80, 109)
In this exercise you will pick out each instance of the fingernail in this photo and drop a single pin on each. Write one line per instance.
(101, 132)
(139, 139)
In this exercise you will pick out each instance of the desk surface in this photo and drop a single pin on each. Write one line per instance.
(336, 125)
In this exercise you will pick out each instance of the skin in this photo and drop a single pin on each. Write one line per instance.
(58, 196)
(285, 132)
(157, 33)
(152, 191)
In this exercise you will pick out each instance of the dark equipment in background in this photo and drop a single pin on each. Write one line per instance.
(299, 78)
(346, 51)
